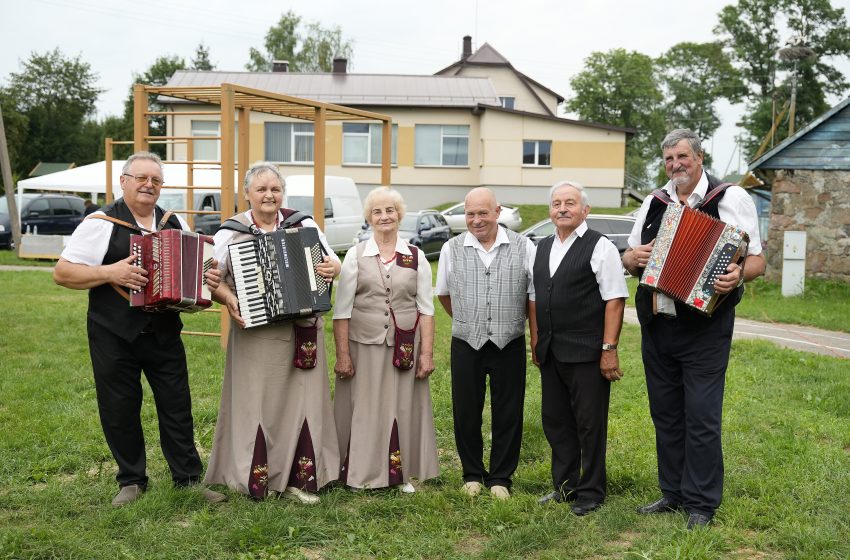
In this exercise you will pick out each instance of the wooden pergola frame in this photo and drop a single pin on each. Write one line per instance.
(236, 103)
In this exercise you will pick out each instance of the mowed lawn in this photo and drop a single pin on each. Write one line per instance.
(786, 437)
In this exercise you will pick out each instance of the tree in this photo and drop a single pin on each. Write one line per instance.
(53, 95)
(695, 76)
(621, 88)
(201, 60)
(752, 29)
(313, 51)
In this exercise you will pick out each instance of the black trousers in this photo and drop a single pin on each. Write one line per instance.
(575, 421)
(506, 368)
(685, 379)
(117, 366)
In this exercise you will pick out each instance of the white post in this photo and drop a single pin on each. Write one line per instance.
(793, 263)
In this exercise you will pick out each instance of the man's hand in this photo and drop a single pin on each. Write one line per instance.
(609, 365)
(424, 365)
(725, 283)
(344, 368)
(127, 275)
(636, 258)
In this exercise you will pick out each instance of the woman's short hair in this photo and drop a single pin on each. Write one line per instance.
(394, 195)
(261, 168)
(585, 201)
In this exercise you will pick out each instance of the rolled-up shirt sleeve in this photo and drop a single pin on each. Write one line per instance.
(424, 290)
(346, 285)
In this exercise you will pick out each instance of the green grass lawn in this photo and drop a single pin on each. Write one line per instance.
(786, 437)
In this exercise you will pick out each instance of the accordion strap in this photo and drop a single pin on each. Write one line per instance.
(127, 225)
(714, 193)
(662, 195)
(235, 225)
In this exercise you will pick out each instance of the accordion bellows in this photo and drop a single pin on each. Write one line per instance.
(176, 261)
(275, 277)
(690, 251)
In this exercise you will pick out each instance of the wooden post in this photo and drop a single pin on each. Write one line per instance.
(14, 219)
(228, 117)
(319, 167)
(140, 121)
(190, 180)
(107, 190)
(242, 163)
(386, 151)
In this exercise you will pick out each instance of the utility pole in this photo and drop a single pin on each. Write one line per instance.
(14, 219)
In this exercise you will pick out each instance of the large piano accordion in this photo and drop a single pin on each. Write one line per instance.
(275, 276)
(176, 261)
(690, 251)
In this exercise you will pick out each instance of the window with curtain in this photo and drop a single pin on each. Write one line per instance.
(537, 153)
(444, 145)
(361, 143)
(289, 142)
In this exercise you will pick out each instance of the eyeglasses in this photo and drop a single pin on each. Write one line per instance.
(143, 179)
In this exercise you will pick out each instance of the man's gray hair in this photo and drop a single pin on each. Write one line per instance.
(142, 155)
(261, 168)
(676, 136)
(577, 186)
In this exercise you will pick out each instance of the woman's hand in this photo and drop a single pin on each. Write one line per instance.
(213, 276)
(344, 367)
(233, 308)
(326, 269)
(424, 365)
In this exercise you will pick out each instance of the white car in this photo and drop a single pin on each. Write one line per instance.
(454, 215)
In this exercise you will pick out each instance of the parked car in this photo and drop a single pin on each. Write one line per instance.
(614, 227)
(508, 217)
(426, 229)
(45, 214)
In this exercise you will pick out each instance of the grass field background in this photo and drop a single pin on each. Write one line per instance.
(786, 441)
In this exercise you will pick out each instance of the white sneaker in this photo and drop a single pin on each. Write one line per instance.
(406, 488)
(472, 488)
(500, 492)
(300, 495)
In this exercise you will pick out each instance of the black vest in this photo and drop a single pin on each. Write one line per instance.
(570, 309)
(687, 317)
(106, 306)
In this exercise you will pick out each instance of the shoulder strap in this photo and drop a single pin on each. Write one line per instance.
(165, 216)
(294, 219)
(238, 226)
(714, 193)
(116, 221)
(662, 195)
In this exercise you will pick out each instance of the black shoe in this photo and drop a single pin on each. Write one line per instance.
(663, 505)
(556, 497)
(583, 508)
(696, 520)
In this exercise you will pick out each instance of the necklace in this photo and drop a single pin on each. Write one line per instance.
(276, 220)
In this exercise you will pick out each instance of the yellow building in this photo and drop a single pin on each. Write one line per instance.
(478, 122)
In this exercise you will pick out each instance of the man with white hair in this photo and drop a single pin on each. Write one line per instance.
(580, 296)
(484, 282)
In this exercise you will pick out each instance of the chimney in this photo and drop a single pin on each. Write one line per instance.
(340, 65)
(280, 66)
(467, 47)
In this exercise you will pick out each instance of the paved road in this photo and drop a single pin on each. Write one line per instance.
(797, 337)
(807, 339)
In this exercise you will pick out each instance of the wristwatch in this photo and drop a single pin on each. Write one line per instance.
(609, 346)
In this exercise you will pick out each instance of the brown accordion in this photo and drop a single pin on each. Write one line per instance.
(691, 250)
(176, 261)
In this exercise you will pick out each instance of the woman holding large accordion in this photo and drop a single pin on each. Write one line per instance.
(384, 333)
(275, 429)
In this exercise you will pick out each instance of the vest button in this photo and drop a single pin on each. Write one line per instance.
(386, 313)
(388, 275)
(386, 326)
(387, 301)
(490, 333)
(388, 290)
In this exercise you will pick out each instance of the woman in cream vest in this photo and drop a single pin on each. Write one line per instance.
(385, 423)
(275, 429)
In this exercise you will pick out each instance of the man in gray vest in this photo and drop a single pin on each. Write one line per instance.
(581, 293)
(484, 282)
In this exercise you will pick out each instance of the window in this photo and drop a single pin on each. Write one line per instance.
(205, 150)
(61, 207)
(361, 143)
(40, 207)
(537, 152)
(289, 142)
(507, 102)
(446, 145)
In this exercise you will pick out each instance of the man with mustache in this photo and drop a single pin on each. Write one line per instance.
(124, 340)
(685, 354)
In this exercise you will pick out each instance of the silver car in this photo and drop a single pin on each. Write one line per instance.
(454, 215)
(614, 227)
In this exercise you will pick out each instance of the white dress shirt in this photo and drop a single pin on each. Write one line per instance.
(444, 267)
(347, 283)
(605, 263)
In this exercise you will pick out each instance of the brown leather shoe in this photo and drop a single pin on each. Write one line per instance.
(128, 494)
(211, 496)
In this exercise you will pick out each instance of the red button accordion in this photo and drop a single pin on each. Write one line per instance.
(690, 251)
(176, 261)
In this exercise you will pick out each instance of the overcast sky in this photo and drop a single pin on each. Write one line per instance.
(547, 40)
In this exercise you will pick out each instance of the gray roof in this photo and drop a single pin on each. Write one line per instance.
(486, 54)
(354, 89)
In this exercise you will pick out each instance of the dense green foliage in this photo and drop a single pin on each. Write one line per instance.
(786, 438)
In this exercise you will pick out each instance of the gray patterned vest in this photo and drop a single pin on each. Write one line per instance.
(489, 303)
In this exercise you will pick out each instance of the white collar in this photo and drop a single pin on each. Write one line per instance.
(694, 197)
(371, 248)
(578, 232)
(501, 239)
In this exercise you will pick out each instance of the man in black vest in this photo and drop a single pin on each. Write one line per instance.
(685, 354)
(125, 341)
(580, 297)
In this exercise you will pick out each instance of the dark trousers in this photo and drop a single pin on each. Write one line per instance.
(506, 368)
(117, 366)
(685, 379)
(575, 421)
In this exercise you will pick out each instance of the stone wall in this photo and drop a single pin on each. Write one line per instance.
(817, 202)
